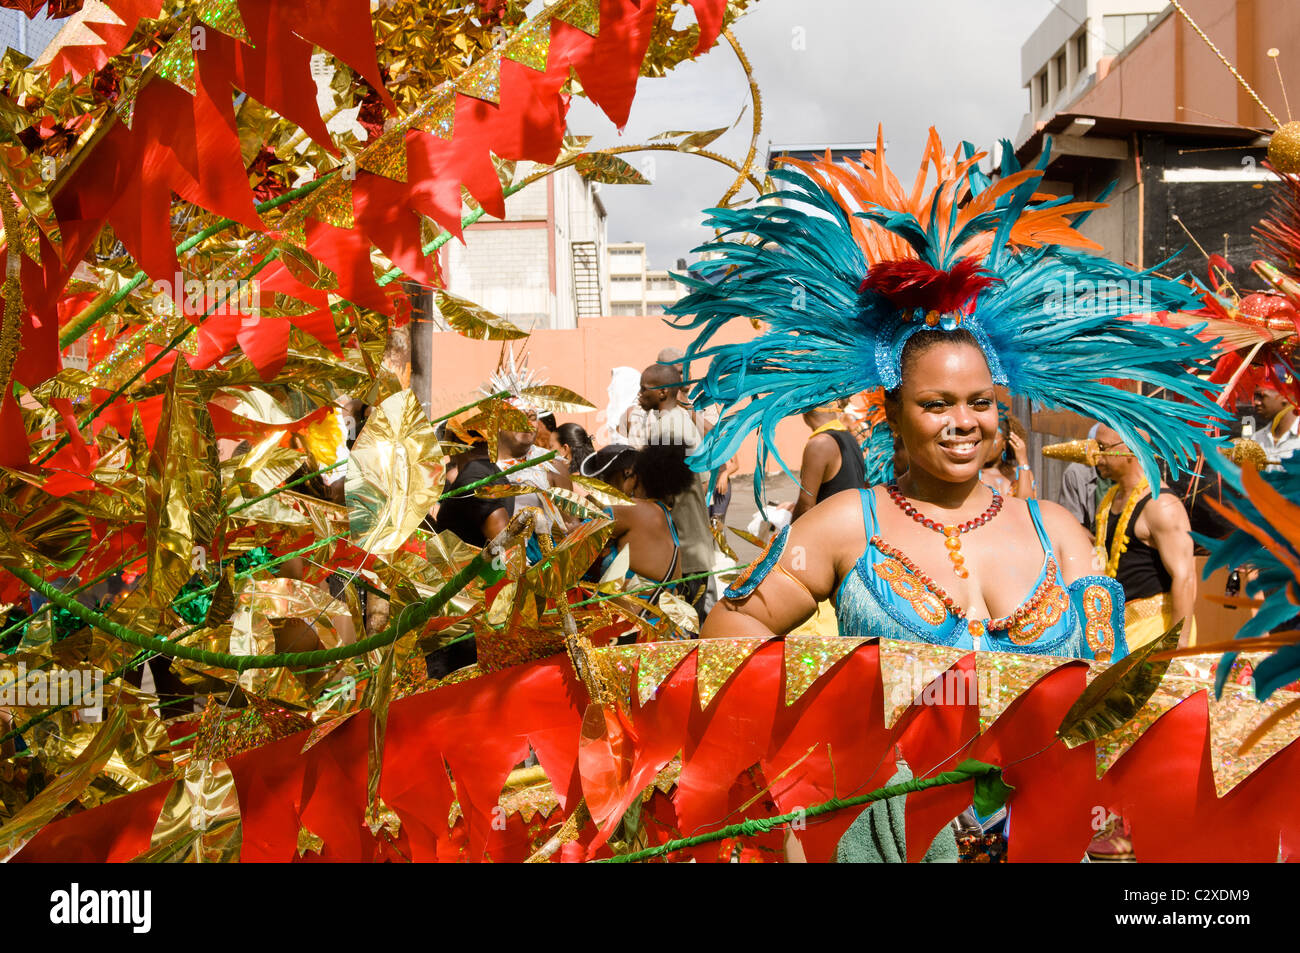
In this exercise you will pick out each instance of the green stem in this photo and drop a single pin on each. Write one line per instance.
(171, 345)
(139, 657)
(411, 616)
(460, 410)
(762, 825)
(632, 592)
(526, 464)
(86, 321)
(287, 486)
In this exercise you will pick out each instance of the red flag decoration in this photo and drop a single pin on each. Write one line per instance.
(748, 753)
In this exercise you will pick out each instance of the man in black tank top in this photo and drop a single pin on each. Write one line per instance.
(1156, 567)
(832, 460)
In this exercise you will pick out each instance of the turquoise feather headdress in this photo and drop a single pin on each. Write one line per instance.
(1264, 509)
(851, 265)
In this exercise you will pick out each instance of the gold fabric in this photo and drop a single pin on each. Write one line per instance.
(1147, 619)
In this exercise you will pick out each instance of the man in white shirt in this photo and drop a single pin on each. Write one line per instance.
(1279, 434)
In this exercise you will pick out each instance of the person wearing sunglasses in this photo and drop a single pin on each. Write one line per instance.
(1145, 543)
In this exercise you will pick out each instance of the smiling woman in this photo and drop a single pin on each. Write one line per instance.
(938, 556)
(937, 298)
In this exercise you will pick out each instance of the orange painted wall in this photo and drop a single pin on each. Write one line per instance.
(581, 359)
(1173, 67)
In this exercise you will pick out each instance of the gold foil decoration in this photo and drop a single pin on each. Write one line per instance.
(332, 203)
(175, 61)
(379, 816)
(563, 566)
(717, 661)
(618, 664)
(531, 43)
(680, 613)
(658, 660)
(182, 490)
(1284, 148)
(387, 156)
(1073, 451)
(395, 473)
(1117, 693)
(808, 658)
(475, 321)
(584, 14)
(66, 788)
(483, 80)
(309, 842)
(608, 169)
(224, 15)
(556, 399)
(1002, 677)
(437, 116)
(906, 668)
(225, 732)
(200, 820)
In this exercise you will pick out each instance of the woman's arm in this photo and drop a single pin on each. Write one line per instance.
(1024, 483)
(805, 575)
(1074, 549)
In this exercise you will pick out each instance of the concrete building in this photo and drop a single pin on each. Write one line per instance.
(543, 265)
(810, 151)
(1061, 57)
(634, 289)
(28, 37)
(1166, 122)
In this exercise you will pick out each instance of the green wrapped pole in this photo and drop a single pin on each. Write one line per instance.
(411, 616)
(990, 793)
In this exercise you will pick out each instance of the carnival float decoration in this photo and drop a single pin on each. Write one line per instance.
(169, 439)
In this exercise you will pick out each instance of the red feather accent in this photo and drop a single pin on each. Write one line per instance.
(916, 284)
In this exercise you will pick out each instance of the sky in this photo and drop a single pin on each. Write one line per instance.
(827, 71)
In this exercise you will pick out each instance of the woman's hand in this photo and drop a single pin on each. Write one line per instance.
(1018, 449)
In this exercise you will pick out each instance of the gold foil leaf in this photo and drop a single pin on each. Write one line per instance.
(1117, 694)
(556, 399)
(680, 612)
(609, 169)
(473, 321)
(395, 473)
(182, 489)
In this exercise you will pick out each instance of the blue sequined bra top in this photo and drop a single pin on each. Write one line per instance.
(886, 595)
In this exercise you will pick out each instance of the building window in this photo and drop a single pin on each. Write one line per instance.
(1061, 78)
(625, 310)
(1081, 52)
(1123, 29)
(1042, 88)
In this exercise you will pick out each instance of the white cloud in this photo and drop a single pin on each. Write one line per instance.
(953, 64)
